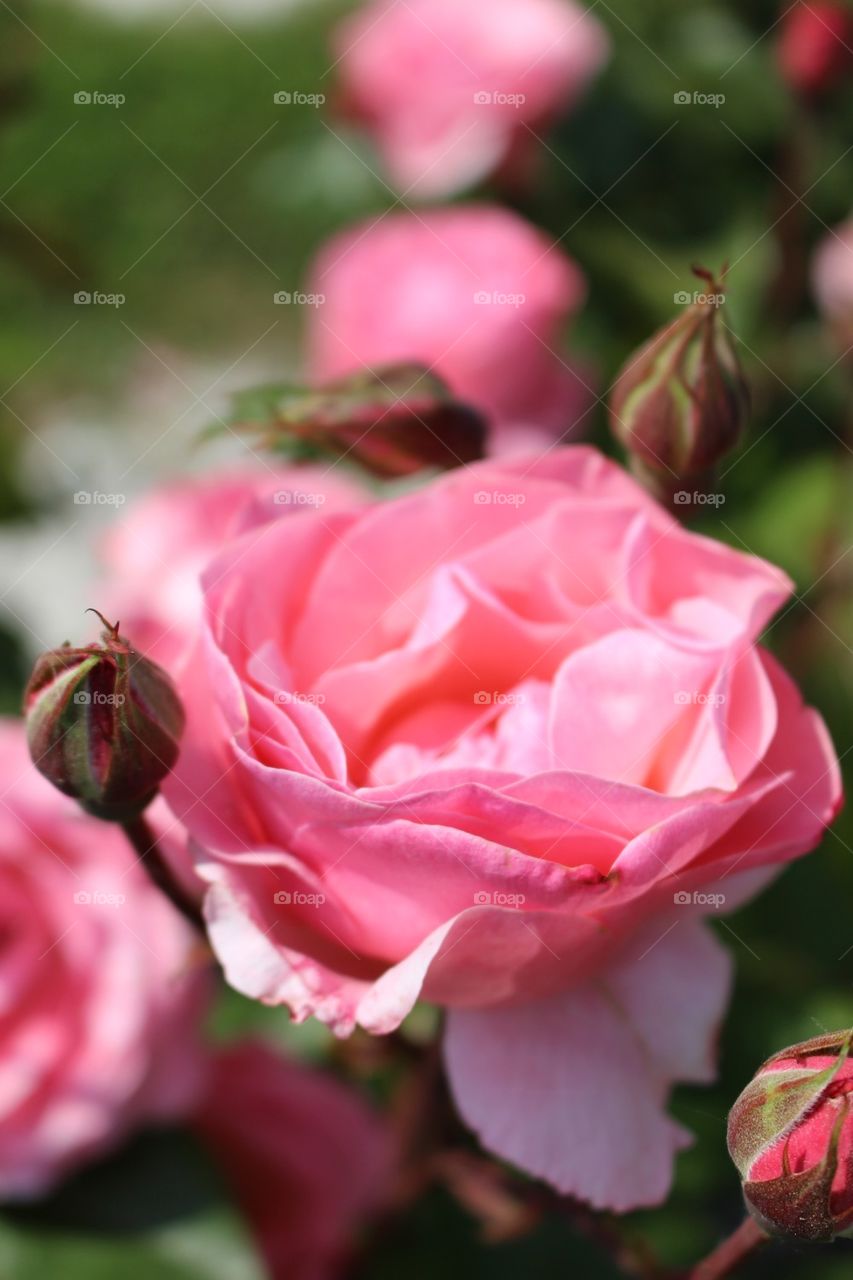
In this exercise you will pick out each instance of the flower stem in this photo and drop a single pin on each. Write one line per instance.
(723, 1260)
(144, 841)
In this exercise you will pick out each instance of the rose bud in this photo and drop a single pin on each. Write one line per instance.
(814, 47)
(680, 402)
(394, 421)
(103, 725)
(790, 1134)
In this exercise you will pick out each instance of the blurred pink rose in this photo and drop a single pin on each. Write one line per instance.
(155, 553)
(453, 90)
(305, 1158)
(500, 744)
(101, 992)
(832, 280)
(476, 293)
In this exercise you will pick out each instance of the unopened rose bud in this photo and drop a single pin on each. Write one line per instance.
(790, 1134)
(814, 45)
(680, 402)
(103, 725)
(393, 421)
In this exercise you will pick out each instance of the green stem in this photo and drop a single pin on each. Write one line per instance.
(144, 841)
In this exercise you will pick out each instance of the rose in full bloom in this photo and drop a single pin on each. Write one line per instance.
(790, 1133)
(500, 744)
(453, 91)
(288, 1141)
(832, 281)
(102, 992)
(475, 293)
(155, 553)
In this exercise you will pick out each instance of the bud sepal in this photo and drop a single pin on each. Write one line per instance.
(790, 1134)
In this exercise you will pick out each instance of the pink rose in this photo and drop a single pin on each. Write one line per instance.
(101, 994)
(452, 91)
(476, 293)
(500, 744)
(289, 1142)
(154, 556)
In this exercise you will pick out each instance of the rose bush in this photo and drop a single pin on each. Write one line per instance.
(101, 991)
(500, 744)
(453, 91)
(477, 294)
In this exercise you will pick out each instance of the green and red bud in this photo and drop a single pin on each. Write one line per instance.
(394, 421)
(790, 1134)
(680, 403)
(103, 725)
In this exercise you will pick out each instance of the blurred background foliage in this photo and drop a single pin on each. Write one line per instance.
(197, 199)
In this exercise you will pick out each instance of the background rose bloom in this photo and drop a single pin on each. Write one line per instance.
(832, 280)
(101, 991)
(451, 91)
(288, 1141)
(476, 293)
(500, 744)
(156, 552)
